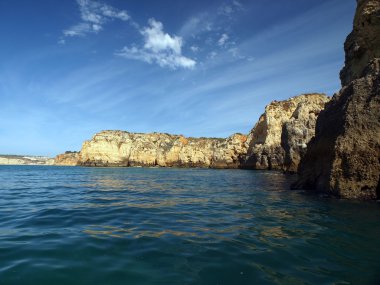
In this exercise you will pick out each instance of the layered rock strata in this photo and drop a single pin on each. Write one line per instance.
(69, 158)
(25, 160)
(279, 138)
(120, 148)
(344, 157)
(277, 141)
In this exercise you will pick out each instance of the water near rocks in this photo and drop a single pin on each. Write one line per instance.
(73, 225)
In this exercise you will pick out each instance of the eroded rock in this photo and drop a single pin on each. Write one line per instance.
(278, 139)
(344, 157)
(69, 158)
(120, 148)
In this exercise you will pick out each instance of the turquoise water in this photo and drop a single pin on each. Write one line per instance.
(72, 225)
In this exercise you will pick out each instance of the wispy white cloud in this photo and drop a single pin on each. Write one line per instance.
(223, 39)
(197, 24)
(80, 30)
(228, 9)
(212, 31)
(212, 55)
(157, 40)
(159, 47)
(194, 48)
(94, 15)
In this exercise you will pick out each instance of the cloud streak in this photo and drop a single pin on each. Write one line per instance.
(228, 9)
(159, 47)
(94, 15)
(223, 39)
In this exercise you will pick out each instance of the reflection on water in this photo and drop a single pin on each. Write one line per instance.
(273, 232)
(178, 226)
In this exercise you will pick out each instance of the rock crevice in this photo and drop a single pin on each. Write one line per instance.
(279, 138)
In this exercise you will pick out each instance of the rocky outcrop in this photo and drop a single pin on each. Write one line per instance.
(277, 142)
(362, 45)
(121, 148)
(69, 158)
(344, 157)
(299, 130)
(279, 138)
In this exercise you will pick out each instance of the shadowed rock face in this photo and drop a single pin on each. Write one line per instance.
(344, 157)
(299, 130)
(363, 44)
(279, 138)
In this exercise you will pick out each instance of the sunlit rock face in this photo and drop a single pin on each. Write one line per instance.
(121, 148)
(277, 141)
(25, 160)
(67, 159)
(344, 157)
(279, 138)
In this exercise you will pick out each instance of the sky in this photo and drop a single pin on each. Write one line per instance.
(69, 69)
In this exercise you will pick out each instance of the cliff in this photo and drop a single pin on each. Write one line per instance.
(120, 148)
(279, 138)
(25, 160)
(277, 141)
(344, 157)
(69, 158)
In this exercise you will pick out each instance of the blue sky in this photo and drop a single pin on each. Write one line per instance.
(69, 69)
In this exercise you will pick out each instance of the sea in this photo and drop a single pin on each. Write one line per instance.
(77, 225)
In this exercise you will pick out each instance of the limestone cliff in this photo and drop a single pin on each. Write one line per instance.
(344, 157)
(69, 158)
(25, 160)
(277, 141)
(280, 136)
(121, 148)
(362, 45)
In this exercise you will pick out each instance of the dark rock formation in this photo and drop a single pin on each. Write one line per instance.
(344, 157)
(363, 44)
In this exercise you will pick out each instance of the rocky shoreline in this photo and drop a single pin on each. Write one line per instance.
(344, 157)
(333, 144)
(276, 142)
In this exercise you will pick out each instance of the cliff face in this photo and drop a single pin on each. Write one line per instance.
(120, 148)
(344, 157)
(362, 45)
(25, 160)
(279, 138)
(67, 159)
(277, 141)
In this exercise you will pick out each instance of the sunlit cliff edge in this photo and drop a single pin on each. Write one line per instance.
(277, 141)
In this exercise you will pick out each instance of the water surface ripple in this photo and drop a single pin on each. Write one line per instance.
(72, 225)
